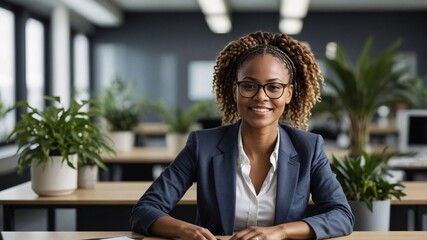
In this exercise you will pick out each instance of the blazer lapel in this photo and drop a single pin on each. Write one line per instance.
(287, 177)
(224, 166)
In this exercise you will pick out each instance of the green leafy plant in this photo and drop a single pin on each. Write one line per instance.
(59, 131)
(364, 178)
(357, 91)
(179, 120)
(120, 110)
(210, 110)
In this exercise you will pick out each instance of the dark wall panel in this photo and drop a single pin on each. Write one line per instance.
(149, 37)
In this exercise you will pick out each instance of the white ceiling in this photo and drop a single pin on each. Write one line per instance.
(273, 5)
(118, 7)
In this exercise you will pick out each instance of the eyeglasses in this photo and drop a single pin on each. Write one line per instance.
(249, 89)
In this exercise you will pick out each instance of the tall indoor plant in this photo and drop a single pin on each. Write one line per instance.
(54, 141)
(121, 112)
(358, 91)
(365, 182)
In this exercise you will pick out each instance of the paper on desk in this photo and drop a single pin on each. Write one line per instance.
(118, 238)
(123, 238)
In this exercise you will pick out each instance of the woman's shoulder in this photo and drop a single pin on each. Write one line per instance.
(216, 134)
(296, 133)
(214, 137)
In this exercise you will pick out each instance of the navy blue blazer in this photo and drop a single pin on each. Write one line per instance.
(210, 159)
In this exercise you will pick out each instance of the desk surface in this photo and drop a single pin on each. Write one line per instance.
(161, 155)
(415, 163)
(128, 193)
(154, 155)
(391, 235)
(104, 193)
(151, 128)
(367, 235)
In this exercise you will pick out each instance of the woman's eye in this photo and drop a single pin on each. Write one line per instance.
(249, 86)
(274, 87)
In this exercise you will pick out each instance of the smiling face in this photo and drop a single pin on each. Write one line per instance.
(261, 111)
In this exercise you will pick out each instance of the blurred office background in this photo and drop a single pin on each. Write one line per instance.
(73, 48)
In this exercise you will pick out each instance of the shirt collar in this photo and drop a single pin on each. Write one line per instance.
(243, 158)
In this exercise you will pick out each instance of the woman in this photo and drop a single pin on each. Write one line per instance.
(254, 175)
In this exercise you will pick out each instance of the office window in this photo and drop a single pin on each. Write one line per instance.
(7, 70)
(34, 57)
(81, 67)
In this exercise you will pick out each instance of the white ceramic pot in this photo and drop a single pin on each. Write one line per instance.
(175, 142)
(87, 176)
(55, 177)
(365, 220)
(122, 141)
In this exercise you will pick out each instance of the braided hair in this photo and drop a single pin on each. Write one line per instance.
(305, 74)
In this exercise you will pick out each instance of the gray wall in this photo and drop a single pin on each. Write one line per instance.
(155, 48)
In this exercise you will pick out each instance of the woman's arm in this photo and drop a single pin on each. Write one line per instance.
(334, 217)
(298, 230)
(164, 193)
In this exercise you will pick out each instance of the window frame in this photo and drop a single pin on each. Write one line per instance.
(8, 7)
(21, 15)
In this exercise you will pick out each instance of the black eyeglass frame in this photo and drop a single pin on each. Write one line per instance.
(284, 85)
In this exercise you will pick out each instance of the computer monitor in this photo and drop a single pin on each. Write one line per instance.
(412, 126)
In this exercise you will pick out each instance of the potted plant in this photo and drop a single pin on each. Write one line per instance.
(211, 117)
(356, 92)
(365, 181)
(121, 113)
(54, 141)
(179, 121)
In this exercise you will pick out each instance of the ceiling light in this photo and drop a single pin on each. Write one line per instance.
(216, 15)
(290, 26)
(294, 8)
(219, 23)
(98, 12)
(213, 7)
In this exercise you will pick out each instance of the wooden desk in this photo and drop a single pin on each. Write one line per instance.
(151, 128)
(392, 235)
(416, 194)
(376, 129)
(159, 155)
(105, 193)
(69, 235)
(127, 194)
(137, 164)
(108, 194)
(410, 165)
(142, 155)
(367, 235)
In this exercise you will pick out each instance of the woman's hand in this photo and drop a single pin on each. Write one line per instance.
(260, 233)
(292, 230)
(169, 227)
(195, 232)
